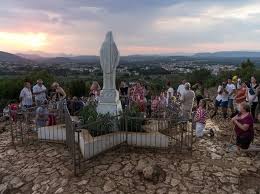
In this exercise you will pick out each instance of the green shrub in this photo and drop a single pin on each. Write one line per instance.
(135, 120)
(89, 114)
(98, 124)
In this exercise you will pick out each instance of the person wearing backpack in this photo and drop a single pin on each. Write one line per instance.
(252, 96)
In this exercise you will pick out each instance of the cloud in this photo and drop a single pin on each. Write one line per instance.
(146, 26)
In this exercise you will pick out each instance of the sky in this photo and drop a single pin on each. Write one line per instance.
(78, 27)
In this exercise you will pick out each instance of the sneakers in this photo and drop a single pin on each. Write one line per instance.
(231, 148)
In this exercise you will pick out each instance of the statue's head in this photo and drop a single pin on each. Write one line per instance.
(109, 36)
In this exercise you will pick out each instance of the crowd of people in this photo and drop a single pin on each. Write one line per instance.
(234, 96)
(37, 95)
(242, 99)
(233, 92)
(44, 101)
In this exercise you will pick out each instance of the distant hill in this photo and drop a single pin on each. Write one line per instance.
(11, 58)
(56, 60)
(86, 58)
(31, 56)
(228, 54)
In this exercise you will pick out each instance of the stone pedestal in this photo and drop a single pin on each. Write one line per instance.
(109, 102)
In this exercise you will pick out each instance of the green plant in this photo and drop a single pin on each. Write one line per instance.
(89, 114)
(98, 124)
(134, 118)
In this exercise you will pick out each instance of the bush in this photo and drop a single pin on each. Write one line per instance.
(77, 88)
(98, 124)
(135, 119)
(89, 114)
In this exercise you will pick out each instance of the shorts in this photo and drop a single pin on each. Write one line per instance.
(230, 103)
(218, 103)
(244, 142)
(27, 106)
(224, 104)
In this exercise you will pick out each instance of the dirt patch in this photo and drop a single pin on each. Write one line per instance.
(250, 181)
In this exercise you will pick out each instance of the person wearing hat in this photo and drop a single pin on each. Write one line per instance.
(39, 92)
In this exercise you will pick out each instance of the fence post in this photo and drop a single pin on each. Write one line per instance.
(74, 148)
(126, 127)
(12, 131)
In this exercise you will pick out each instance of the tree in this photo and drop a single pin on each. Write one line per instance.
(77, 88)
(47, 77)
(9, 90)
(247, 69)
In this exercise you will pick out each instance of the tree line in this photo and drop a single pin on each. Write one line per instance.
(10, 87)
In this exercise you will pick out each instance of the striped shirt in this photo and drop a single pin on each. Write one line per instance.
(201, 115)
(26, 95)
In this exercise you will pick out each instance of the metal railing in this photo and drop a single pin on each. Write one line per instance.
(85, 141)
(33, 124)
(72, 139)
(104, 134)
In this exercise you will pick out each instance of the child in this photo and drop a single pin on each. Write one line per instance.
(155, 104)
(200, 118)
(42, 115)
(162, 100)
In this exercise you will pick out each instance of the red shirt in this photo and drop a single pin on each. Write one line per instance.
(201, 115)
(250, 131)
(241, 93)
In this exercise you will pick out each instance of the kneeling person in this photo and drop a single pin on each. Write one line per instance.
(244, 128)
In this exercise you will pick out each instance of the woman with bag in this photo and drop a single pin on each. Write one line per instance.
(252, 96)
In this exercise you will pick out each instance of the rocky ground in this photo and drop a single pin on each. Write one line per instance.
(46, 168)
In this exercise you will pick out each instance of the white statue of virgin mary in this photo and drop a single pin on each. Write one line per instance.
(109, 59)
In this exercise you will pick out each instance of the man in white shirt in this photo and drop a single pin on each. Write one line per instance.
(26, 96)
(221, 100)
(39, 90)
(181, 88)
(231, 89)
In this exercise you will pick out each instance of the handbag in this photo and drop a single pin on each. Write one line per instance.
(252, 90)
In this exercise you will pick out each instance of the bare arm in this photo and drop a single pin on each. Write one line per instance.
(244, 96)
(244, 127)
(61, 91)
(224, 90)
(233, 91)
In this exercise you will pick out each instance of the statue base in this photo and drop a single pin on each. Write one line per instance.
(109, 102)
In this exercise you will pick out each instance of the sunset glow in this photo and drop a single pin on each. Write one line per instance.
(29, 41)
(139, 26)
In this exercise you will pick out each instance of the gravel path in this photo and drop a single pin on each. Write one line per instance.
(46, 168)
